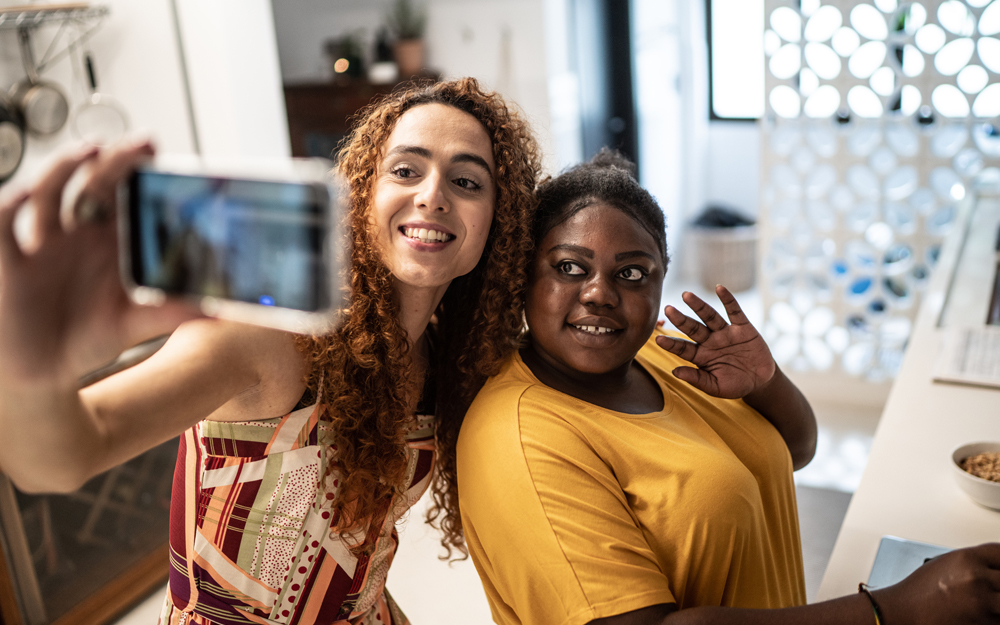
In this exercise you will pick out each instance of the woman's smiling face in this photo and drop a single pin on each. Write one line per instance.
(595, 291)
(434, 196)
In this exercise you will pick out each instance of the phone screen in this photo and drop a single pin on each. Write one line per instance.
(254, 241)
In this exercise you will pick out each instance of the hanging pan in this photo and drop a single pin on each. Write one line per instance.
(100, 120)
(11, 141)
(40, 102)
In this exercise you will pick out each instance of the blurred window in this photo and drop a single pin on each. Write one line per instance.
(736, 59)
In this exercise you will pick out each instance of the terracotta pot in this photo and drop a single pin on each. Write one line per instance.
(409, 55)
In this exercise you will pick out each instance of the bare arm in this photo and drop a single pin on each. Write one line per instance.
(63, 313)
(960, 587)
(57, 437)
(734, 363)
(782, 403)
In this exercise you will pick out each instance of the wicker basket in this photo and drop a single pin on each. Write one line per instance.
(726, 256)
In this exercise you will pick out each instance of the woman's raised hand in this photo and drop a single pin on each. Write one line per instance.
(732, 359)
(63, 311)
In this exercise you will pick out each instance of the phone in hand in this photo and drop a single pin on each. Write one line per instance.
(257, 242)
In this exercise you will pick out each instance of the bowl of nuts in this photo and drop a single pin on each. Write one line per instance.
(977, 470)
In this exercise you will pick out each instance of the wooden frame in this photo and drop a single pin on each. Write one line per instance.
(122, 593)
(10, 614)
(60, 554)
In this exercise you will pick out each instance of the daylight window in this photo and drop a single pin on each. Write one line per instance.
(736, 58)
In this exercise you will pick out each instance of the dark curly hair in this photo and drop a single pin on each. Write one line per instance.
(609, 177)
(364, 367)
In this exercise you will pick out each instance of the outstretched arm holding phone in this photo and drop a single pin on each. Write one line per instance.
(64, 313)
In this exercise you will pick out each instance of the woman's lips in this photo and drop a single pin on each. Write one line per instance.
(423, 234)
(594, 335)
(594, 330)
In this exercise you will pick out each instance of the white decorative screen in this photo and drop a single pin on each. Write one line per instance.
(879, 121)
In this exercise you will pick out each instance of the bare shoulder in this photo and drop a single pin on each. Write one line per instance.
(265, 368)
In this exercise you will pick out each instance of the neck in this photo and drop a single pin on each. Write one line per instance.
(416, 307)
(579, 384)
(627, 388)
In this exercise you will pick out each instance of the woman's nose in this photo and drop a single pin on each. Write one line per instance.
(430, 194)
(599, 291)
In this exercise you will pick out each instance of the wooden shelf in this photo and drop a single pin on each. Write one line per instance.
(319, 114)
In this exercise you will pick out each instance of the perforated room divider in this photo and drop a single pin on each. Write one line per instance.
(880, 121)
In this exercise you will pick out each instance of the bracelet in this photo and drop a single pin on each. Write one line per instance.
(863, 588)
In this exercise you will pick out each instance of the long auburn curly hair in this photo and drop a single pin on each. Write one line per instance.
(364, 367)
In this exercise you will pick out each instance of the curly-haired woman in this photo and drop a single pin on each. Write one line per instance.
(298, 454)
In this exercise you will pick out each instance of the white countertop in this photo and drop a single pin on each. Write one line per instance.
(908, 489)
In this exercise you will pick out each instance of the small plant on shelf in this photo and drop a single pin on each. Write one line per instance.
(406, 20)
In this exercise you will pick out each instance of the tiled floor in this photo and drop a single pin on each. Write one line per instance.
(432, 591)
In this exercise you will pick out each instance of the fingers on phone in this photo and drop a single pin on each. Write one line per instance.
(10, 250)
(115, 164)
(46, 197)
(696, 331)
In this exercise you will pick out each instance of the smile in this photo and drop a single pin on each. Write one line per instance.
(595, 330)
(425, 235)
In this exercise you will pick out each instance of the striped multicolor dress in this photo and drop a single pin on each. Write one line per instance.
(250, 538)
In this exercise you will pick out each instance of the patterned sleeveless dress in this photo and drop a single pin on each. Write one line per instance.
(250, 538)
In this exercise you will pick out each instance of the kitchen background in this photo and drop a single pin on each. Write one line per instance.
(259, 78)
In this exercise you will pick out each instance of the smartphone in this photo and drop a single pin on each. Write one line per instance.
(256, 242)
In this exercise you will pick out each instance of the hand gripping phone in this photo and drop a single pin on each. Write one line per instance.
(252, 241)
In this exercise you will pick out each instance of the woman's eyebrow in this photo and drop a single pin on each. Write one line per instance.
(409, 149)
(463, 157)
(634, 254)
(475, 159)
(579, 249)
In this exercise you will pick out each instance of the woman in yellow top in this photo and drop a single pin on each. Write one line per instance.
(604, 480)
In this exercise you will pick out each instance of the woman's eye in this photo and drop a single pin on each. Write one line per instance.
(570, 269)
(466, 183)
(632, 274)
(403, 172)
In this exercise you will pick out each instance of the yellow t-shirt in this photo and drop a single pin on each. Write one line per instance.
(573, 512)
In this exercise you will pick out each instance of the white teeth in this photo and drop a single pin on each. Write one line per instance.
(425, 236)
(594, 329)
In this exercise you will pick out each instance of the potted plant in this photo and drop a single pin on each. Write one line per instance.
(406, 20)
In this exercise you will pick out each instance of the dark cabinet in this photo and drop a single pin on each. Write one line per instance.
(319, 114)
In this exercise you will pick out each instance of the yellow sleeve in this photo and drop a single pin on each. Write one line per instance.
(547, 523)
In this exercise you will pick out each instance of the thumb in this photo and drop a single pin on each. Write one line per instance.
(697, 378)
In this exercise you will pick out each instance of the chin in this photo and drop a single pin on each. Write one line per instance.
(598, 366)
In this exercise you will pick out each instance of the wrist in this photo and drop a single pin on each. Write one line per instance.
(762, 391)
(876, 607)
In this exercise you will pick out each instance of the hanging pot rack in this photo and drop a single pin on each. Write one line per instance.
(27, 17)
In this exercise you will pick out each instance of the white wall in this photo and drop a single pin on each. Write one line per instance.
(657, 69)
(136, 59)
(720, 161)
(232, 66)
(467, 38)
(733, 165)
(500, 42)
(303, 26)
(232, 58)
